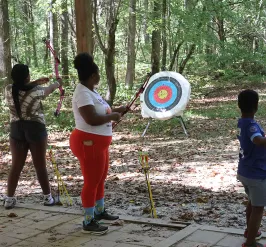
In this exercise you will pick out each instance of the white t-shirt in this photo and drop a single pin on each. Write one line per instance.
(84, 96)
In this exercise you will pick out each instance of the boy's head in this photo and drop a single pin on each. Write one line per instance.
(248, 101)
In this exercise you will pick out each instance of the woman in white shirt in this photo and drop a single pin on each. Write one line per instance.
(90, 141)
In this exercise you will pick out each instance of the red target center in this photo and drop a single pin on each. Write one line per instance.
(163, 94)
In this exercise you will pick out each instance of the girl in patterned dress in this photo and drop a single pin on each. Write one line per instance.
(27, 130)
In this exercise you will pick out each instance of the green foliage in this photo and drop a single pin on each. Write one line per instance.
(228, 57)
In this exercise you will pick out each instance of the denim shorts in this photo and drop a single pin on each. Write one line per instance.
(27, 131)
(255, 189)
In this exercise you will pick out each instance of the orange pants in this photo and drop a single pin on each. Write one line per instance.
(93, 154)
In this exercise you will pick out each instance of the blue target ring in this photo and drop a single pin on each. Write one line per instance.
(169, 102)
(166, 82)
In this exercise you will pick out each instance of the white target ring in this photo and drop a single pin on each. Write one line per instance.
(165, 96)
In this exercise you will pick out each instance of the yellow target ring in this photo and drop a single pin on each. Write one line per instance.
(162, 94)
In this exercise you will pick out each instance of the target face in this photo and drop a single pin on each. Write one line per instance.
(166, 95)
(163, 94)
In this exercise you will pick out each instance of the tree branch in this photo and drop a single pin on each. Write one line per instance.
(117, 10)
(184, 62)
(71, 25)
(103, 48)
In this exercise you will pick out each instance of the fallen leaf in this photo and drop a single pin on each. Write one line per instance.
(202, 200)
(12, 215)
(117, 223)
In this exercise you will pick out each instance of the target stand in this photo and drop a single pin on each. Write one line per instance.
(165, 96)
(181, 120)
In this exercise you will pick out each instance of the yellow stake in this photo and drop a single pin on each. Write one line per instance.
(61, 186)
(143, 159)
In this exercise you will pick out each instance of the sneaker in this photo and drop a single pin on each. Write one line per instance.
(94, 228)
(258, 236)
(10, 202)
(254, 245)
(105, 216)
(49, 202)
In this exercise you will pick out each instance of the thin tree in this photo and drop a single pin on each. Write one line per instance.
(33, 35)
(131, 49)
(164, 34)
(64, 38)
(27, 39)
(156, 37)
(53, 27)
(5, 51)
(146, 15)
(109, 51)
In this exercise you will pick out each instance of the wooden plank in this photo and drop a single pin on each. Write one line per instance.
(136, 220)
(178, 236)
(155, 222)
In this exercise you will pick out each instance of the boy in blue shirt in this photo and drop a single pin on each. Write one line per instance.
(252, 165)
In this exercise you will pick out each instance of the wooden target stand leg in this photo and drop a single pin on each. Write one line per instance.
(181, 120)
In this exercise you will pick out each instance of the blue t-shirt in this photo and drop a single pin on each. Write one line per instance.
(252, 158)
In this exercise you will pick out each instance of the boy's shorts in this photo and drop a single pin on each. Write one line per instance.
(255, 189)
(27, 131)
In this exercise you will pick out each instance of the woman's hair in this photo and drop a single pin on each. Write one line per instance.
(19, 74)
(85, 66)
(248, 101)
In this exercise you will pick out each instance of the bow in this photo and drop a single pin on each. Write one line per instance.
(132, 101)
(56, 64)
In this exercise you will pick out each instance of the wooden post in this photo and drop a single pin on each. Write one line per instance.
(83, 10)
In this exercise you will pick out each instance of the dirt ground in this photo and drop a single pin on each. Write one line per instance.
(193, 178)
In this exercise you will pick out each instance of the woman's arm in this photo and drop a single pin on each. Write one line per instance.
(41, 81)
(48, 90)
(91, 117)
(120, 109)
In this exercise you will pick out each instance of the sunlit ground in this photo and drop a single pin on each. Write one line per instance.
(192, 178)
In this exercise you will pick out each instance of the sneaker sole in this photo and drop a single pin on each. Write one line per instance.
(99, 219)
(257, 238)
(94, 233)
(10, 207)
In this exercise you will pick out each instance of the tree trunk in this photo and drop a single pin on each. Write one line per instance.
(35, 58)
(164, 34)
(255, 45)
(51, 26)
(64, 39)
(45, 58)
(170, 35)
(83, 10)
(73, 38)
(221, 31)
(175, 56)
(110, 65)
(5, 51)
(15, 52)
(184, 62)
(56, 34)
(109, 52)
(146, 15)
(131, 52)
(53, 30)
(27, 41)
(156, 38)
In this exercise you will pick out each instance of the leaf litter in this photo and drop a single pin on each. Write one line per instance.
(193, 179)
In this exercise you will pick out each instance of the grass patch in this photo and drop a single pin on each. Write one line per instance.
(201, 85)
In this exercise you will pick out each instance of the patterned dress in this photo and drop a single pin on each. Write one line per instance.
(30, 104)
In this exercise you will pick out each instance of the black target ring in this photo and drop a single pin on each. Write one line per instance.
(170, 86)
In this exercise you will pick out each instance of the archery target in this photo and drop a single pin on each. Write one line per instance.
(165, 96)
